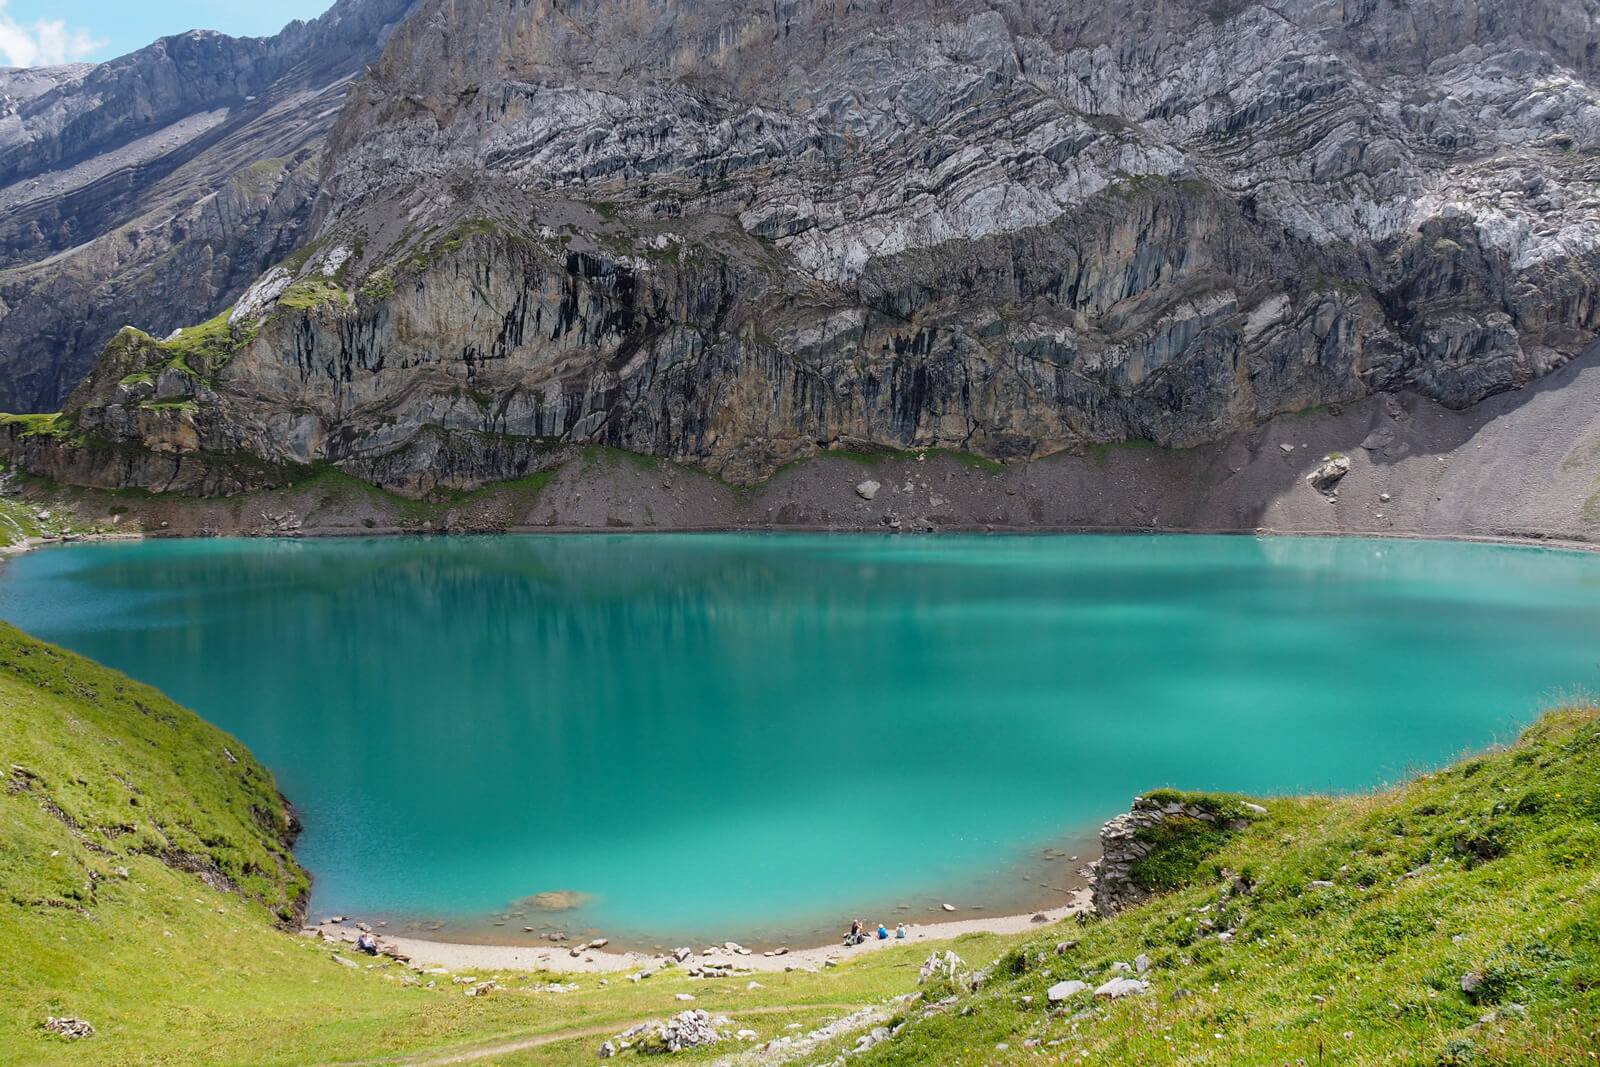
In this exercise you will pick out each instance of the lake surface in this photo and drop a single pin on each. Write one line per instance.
(761, 737)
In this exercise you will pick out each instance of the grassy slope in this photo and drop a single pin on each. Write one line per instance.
(1490, 867)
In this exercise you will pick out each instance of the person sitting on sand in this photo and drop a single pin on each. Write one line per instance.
(854, 936)
(367, 943)
(883, 934)
(900, 931)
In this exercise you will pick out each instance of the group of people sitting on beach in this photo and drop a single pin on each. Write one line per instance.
(858, 932)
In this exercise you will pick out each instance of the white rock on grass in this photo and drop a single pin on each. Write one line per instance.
(1066, 990)
(1122, 987)
(69, 1027)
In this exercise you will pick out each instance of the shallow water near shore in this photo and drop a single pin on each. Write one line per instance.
(762, 737)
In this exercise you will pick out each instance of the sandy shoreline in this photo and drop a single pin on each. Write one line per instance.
(558, 958)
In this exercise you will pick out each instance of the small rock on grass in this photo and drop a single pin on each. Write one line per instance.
(1064, 990)
(68, 1027)
(1122, 987)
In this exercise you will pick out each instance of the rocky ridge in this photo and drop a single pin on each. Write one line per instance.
(153, 188)
(737, 235)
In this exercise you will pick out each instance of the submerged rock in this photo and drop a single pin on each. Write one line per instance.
(557, 900)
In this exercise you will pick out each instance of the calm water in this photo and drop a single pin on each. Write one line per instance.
(756, 737)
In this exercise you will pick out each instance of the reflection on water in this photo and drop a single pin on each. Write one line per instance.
(744, 735)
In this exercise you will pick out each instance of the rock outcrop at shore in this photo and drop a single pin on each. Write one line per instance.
(1116, 882)
(735, 234)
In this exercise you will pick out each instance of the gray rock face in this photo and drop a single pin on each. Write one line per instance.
(1123, 843)
(153, 188)
(735, 234)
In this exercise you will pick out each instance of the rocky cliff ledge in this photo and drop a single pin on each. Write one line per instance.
(1159, 843)
(736, 235)
(155, 187)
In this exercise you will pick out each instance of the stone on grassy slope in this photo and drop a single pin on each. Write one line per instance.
(1122, 987)
(1066, 990)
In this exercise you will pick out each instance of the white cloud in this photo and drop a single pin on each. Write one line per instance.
(45, 43)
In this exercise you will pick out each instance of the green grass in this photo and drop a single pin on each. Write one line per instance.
(205, 348)
(312, 293)
(53, 424)
(200, 351)
(1490, 868)
(378, 287)
(20, 518)
(1182, 844)
(450, 243)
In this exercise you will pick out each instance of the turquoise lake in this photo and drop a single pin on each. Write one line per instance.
(762, 737)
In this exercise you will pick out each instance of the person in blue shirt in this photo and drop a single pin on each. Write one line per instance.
(883, 934)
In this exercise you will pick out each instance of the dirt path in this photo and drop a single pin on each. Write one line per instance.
(503, 1047)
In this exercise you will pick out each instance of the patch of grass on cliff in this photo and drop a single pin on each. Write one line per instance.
(54, 424)
(1350, 939)
(260, 178)
(450, 243)
(378, 287)
(1180, 845)
(205, 348)
(312, 293)
(605, 454)
(199, 351)
(18, 522)
(20, 518)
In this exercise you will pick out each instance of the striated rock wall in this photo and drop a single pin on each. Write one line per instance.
(735, 234)
(154, 188)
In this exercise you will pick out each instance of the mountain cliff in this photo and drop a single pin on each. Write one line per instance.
(735, 234)
(155, 187)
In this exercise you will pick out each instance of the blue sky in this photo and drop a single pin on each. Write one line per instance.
(36, 32)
